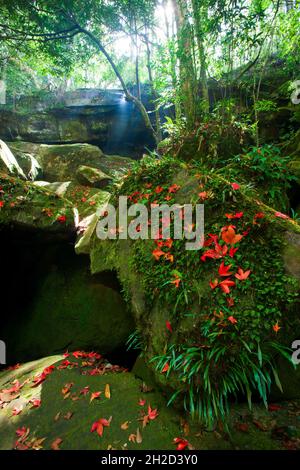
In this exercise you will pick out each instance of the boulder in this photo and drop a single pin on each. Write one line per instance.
(60, 162)
(25, 206)
(67, 159)
(59, 410)
(263, 304)
(88, 176)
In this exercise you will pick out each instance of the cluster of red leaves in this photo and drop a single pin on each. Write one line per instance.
(38, 379)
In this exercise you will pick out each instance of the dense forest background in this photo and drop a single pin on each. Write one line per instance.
(194, 56)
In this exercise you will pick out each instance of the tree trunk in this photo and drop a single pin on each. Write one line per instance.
(187, 89)
(198, 12)
(153, 91)
(138, 103)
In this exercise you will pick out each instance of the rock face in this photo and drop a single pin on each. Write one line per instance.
(93, 177)
(60, 162)
(105, 119)
(200, 294)
(63, 307)
(27, 207)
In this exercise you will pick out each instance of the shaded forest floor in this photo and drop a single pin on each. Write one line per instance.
(56, 402)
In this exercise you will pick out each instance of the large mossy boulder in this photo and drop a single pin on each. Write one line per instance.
(93, 177)
(46, 404)
(60, 162)
(234, 302)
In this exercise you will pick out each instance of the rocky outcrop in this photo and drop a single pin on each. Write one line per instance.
(93, 177)
(61, 162)
(24, 206)
(49, 402)
(204, 306)
(115, 125)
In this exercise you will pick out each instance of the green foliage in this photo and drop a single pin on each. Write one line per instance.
(230, 350)
(266, 168)
(265, 106)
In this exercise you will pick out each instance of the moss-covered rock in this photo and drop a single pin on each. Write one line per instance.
(226, 333)
(59, 409)
(28, 207)
(60, 162)
(93, 177)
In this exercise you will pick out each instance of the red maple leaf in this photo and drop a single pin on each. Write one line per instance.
(99, 425)
(226, 284)
(229, 236)
(224, 270)
(157, 253)
(237, 215)
(232, 320)
(152, 414)
(242, 275)
(181, 443)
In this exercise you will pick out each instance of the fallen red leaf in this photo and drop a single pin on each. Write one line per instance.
(99, 425)
(55, 444)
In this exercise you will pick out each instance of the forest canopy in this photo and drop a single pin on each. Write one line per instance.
(174, 46)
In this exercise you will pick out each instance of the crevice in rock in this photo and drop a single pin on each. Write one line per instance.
(51, 302)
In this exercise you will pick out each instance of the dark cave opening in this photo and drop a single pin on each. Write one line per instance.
(40, 279)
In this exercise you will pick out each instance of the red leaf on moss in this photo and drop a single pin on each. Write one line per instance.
(99, 426)
(169, 326)
(273, 407)
(213, 284)
(152, 414)
(55, 444)
(226, 284)
(181, 443)
(174, 188)
(165, 368)
(158, 189)
(229, 236)
(203, 195)
(232, 320)
(62, 219)
(237, 215)
(95, 395)
(232, 251)
(242, 275)
(235, 186)
(157, 253)
(35, 403)
(224, 270)
(281, 215)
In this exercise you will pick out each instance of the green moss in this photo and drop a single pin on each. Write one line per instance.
(35, 208)
(227, 345)
(49, 422)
